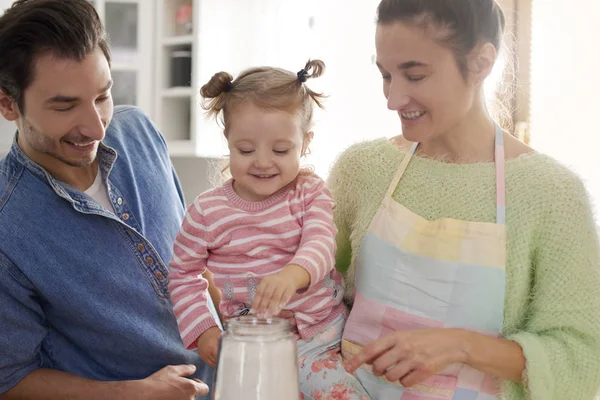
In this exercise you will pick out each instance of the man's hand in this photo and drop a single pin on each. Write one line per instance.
(170, 383)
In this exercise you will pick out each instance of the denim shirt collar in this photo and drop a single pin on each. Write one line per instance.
(107, 157)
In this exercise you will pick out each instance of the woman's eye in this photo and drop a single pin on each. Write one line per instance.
(245, 152)
(281, 152)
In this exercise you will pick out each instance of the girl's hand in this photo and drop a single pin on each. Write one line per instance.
(208, 345)
(275, 291)
(412, 356)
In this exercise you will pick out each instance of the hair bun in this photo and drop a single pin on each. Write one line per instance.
(219, 83)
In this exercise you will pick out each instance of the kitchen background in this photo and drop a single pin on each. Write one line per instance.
(164, 50)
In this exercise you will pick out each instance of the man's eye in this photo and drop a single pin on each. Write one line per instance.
(64, 109)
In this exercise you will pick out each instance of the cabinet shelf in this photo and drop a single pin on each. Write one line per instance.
(178, 40)
(124, 66)
(178, 92)
(126, 22)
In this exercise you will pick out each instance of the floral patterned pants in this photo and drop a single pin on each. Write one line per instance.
(322, 373)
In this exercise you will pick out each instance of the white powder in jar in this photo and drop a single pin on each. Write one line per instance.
(257, 370)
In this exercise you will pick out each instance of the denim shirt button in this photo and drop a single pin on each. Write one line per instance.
(140, 247)
(119, 201)
(125, 217)
(159, 275)
(149, 260)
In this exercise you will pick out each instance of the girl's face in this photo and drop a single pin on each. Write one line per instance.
(265, 148)
(422, 81)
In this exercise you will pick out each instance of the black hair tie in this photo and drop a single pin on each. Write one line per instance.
(228, 87)
(302, 75)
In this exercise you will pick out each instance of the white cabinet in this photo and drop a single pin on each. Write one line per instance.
(175, 78)
(129, 24)
(226, 35)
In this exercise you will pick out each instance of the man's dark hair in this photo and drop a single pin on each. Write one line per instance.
(68, 29)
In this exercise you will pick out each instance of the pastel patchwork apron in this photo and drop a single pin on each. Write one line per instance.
(412, 273)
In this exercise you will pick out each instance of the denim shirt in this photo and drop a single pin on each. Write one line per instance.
(83, 290)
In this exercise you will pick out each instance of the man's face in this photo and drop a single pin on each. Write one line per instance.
(67, 107)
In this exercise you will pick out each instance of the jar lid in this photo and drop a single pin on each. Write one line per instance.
(256, 329)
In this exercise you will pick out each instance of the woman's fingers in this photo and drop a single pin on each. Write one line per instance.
(388, 360)
(371, 352)
(413, 377)
(396, 372)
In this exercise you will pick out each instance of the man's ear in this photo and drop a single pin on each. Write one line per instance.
(8, 107)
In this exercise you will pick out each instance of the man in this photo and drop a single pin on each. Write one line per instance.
(89, 209)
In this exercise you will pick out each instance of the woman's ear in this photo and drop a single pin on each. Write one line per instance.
(481, 62)
(306, 142)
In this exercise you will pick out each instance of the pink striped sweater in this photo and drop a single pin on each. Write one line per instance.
(241, 241)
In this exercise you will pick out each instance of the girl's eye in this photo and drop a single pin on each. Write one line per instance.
(245, 152)
(281, 152)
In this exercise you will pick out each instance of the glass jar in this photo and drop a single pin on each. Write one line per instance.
(257, 361)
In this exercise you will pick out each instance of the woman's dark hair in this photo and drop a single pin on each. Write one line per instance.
(460, 25)
(464, 23)
(69, 29)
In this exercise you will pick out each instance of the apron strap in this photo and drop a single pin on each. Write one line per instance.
(401, 169)
(499, 158)
(500, 178)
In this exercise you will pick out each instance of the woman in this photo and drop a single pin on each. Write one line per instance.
(475, 259)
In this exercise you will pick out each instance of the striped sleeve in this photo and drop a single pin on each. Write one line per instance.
(189, 290)
(316, 252)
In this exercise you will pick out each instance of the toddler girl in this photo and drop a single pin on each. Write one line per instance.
(266, 237)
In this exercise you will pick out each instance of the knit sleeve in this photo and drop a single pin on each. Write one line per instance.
(341, 185)
(317, 247)
(338, 184)
(189, 290)
(561, 337)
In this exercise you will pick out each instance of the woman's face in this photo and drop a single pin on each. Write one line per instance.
(422, 81)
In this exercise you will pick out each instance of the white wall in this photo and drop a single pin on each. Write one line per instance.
(197, 175)
(565, 87)
(355, 109)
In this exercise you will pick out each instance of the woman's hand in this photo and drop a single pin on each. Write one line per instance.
(412, 356)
